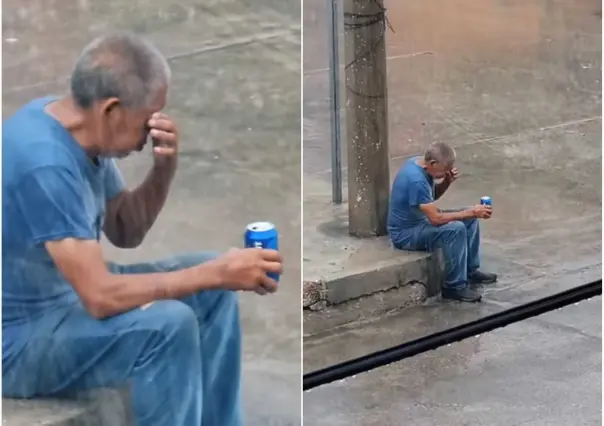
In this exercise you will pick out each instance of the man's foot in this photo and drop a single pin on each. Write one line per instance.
(463, 295)
(480, 277)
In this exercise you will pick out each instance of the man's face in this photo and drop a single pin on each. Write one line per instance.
(123, 130)
(438, 171)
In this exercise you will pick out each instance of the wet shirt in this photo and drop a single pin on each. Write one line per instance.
(51, 191)
(412, 186)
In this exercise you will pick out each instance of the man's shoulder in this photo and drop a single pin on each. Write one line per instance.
(32, 156)
(24, 152)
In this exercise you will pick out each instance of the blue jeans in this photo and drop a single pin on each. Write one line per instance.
(459, 241)
(181, 358)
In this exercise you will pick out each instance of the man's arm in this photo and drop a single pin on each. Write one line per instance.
(104, 294)
(50, 202)
(438, 218)
(131, 214)
(420, 196)
(441, 188)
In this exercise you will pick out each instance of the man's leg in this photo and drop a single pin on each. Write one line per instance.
(155, 350)
(473, 240)
(452, 239)
(220, 335)
(473, 232)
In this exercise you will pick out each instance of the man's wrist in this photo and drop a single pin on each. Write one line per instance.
(469, 213)
(164, 168)
(212, 274)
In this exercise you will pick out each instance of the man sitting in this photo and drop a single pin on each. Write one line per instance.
(415, 223)
(72, 321)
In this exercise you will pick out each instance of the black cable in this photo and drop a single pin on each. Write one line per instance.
(441, 338)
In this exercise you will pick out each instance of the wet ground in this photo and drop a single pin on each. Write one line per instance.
(236, 97)
(515, 87)
(543, 371)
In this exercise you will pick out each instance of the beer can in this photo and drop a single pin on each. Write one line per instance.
(485, 201)
(262, 235)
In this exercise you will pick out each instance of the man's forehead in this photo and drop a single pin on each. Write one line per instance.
(446, 166)
(158, 103)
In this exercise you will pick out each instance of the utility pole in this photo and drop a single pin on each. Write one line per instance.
(366, 117)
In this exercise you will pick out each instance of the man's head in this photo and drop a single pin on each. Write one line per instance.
(439, 159)
(119, 81)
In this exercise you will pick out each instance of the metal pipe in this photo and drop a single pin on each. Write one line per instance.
(334, 96)
(436, 340)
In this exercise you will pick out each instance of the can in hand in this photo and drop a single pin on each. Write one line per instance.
(486, 201)
(262, 235)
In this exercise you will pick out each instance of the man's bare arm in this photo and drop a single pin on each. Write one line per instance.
(441, 188)
(105, 294)
(438, 218)
(131, 214)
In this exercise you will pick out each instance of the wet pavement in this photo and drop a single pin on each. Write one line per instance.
(236, 97)
(543, 371)
(516, 88)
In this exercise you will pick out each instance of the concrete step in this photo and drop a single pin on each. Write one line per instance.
(105, 407)
(395, 280)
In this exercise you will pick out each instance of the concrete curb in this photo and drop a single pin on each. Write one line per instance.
(362, 294)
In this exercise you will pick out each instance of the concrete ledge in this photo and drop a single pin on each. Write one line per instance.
(363, 292)
(379, 277)
(364, 308)
(104, 407)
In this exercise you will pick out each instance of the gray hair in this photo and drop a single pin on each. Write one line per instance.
(121, 65)
(440, 153)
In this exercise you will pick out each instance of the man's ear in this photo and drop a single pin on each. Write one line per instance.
(109, 106)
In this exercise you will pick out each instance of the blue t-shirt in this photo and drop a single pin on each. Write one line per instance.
(51, 190)
(412, 186)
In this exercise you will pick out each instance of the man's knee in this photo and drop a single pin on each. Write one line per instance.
(472, 222)
(230, 299)
(225, 302)
(454, 228)
(453, 232)
(173, 319)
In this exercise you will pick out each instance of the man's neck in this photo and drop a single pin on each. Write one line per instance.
(66, 112)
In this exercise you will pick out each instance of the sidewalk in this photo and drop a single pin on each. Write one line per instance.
(547, 219)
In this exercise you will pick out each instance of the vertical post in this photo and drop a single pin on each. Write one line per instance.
(366, 117)
(334, 96)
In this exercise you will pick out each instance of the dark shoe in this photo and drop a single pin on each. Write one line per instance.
(479, 277)
(463, 295)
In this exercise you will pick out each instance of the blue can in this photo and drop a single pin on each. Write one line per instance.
(485, 201)
(263, 235)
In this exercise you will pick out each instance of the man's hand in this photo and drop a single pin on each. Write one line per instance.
(165, 137)
(452, 175)
(482, 211)
(245, 269)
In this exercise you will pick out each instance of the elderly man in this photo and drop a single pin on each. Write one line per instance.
(72, 321)
(415, 223)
